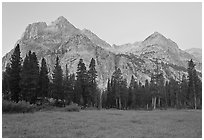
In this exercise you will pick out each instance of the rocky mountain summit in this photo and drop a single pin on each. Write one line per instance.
(69, 43)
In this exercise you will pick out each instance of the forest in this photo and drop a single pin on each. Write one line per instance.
(27, 80)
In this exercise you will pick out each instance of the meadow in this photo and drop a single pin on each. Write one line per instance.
(104, 124)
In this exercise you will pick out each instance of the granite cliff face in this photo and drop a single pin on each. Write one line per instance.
(62, 39)
(156, 46)
(196, 52)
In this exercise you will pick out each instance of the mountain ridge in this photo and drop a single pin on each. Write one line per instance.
(196, 52)
(63, 39)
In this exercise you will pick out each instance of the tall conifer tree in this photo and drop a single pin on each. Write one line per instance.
(57, 81)
(5, 83)
(43, 79)
(92, 75)
(193, 82)
(81, 87)
(68, 86)
(14, 74)
(30, 78)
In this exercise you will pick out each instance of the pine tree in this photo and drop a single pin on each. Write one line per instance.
(173, 91)
(167, 97)
(104, 99)
(30, 78)
(5, 83)
(72, 85)
(81, 87)
(14, 74)
(68, 86)
(112, 93)
(160, 86)
(198, 90)
(108, 103)
(147, 96)
(5, 86)
(92, 75)
(43, 79)
(192, 83)
(184, 91)
(131, 94)
(117, 80)
(34, 69)
(57, 89)
(139, 95)
(124, 94)
(153, 89)
(143, 97)
(24, 83)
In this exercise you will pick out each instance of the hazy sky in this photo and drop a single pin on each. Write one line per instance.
(116, 23)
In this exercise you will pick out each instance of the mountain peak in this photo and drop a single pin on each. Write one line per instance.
(157, 34)
(61, 19)
(63, 24)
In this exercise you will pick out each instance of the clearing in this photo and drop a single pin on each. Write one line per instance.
(104, 123)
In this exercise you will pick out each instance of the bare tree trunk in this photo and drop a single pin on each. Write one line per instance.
(159, 101)
(116, 103)
(100, 101)
(184, 104)
(177, 102)
(119, 103)
(155, 99)
(166, 104)
(195, 101)
(152, 101)
(125, 105)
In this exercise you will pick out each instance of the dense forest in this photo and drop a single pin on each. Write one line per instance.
(26, 80)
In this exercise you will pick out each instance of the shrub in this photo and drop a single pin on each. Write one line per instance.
(51, 101)
(44, 107)
(20, 107)
(59, 103)
(72, 108)
(91, 108)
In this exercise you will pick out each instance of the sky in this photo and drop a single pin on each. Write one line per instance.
(116, 23)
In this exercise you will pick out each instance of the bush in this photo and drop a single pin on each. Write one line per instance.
(72, 108)
(59, 103)
(20, 107)
(45, 107)
(90, 108)
(51, 101)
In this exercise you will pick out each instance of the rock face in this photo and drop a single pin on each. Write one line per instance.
(196, 52)
(156, 46)
(69, 43)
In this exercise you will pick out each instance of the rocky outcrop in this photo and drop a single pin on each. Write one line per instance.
(196, 52)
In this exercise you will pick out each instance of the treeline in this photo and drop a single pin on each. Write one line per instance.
(182, 93)
(26, 80)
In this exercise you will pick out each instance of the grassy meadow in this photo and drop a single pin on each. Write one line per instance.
(104, 124)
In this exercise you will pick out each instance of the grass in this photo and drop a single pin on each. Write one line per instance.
(72, 108)
(104, 123)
